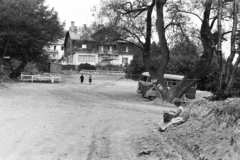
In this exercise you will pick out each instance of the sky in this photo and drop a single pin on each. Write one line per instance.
(78, 11)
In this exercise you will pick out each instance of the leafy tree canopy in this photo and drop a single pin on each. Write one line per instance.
(28, 26)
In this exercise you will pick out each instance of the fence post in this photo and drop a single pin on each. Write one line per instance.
(52, 79)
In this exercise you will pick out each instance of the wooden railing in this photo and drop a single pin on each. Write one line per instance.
(40, 78)
(105, 51)
(103, 72)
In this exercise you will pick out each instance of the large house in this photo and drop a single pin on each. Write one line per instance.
(79, 49)
(55, 51)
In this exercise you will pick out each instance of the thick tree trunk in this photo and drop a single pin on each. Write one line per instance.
(231, 79)
(156, 70)
(146, 48)
(202, 65)
(228, 71)
(219, 44)
(19, 69)
(163, 60)
(205, 60)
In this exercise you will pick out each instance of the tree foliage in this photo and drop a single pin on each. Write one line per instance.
(182, 58)
(28, 26)
(174, 23)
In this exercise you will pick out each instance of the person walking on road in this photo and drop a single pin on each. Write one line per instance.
(90, 79)
(81, 78)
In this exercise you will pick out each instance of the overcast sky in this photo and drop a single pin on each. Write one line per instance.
(78, 11)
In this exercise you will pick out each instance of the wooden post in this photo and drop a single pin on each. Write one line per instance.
(52, 79)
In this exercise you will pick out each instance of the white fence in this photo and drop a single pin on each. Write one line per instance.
(103, 72)
(40, 78)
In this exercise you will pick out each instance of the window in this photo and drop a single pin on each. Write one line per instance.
(149, 79)
(125, 60)
(62, 47)
(54, 48)
(92, 58)
(84, 46)
(174, 82)
(171, 82)
(124, 48)
(86, 58)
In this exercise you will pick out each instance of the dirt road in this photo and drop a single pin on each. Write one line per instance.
(70, 121)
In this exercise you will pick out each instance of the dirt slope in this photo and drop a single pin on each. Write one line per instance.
(212, 132)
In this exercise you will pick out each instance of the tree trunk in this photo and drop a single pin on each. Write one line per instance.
(2, 59)
(19, 69)
(205, 60)
(219, 44)
(232, 76)
(203, 63)
(229, 73)
(163, 60)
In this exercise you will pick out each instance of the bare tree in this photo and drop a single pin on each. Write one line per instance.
(170, 15)
(230, 73)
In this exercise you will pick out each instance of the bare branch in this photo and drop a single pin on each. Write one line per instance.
(183, 33)
(213, 21)
(187, 12)
(226, 33)
(134, 34)
(171, 24)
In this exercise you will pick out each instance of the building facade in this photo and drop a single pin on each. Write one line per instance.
(78, 50)
(55, 51)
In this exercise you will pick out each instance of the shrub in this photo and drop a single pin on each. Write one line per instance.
(86, 66)
(110, 67)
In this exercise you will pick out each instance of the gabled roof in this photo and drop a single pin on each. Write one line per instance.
(72, 36)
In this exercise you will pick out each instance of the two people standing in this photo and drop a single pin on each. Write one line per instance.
(82, 79)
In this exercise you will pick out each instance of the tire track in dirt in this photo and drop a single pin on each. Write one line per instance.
(99, 147)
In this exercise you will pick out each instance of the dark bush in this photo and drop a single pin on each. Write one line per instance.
(110, 67)
(68, 67)
(86, 66)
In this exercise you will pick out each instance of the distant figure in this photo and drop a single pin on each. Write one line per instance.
(90, 79)
(81, 78)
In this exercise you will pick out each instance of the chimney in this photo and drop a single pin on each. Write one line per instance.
(85, 26)
(75, 29)
(72, 26)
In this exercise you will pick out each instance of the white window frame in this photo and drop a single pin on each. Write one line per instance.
(84, 46)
